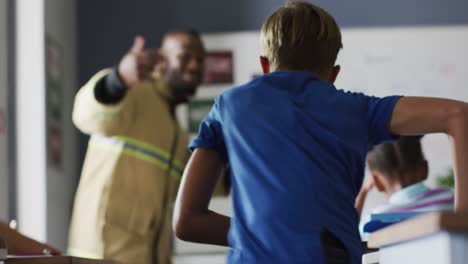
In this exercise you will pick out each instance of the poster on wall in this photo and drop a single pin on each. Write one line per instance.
(197, 110)
(219, 67)
(54, 75)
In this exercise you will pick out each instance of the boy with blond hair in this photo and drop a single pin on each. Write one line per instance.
(296, 147)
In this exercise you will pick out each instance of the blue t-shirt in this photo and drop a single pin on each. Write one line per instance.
(296, 148)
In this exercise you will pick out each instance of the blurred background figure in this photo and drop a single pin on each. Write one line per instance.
(398, 169)
(137, 151)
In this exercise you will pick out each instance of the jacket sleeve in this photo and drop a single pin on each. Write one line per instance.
(93, 117)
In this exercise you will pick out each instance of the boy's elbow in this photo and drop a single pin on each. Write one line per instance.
(179, 229)
(181, 225)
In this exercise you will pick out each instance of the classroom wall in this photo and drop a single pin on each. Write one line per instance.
(46, 141)
(106, 27)
(3, 113)
(60, 30)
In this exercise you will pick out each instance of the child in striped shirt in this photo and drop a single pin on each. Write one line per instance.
(399, 169)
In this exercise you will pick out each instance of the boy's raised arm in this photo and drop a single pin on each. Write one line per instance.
(193, 221)
(421, 115)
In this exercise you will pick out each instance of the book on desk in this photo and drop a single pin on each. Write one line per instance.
(12, 259)
(439, 238)
(381, 220)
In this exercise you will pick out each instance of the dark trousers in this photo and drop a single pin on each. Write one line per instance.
(334, 250)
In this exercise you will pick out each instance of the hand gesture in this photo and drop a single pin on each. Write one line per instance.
(138, 64)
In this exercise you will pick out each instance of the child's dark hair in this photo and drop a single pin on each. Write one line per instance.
(396, 158)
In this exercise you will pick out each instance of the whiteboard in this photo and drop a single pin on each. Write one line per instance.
(424, 61)
(414, 61)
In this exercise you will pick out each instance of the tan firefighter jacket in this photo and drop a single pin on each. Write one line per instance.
(129, 177)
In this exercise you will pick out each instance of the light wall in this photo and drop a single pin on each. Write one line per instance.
(45, 189)
(30, 119)
(3, 113)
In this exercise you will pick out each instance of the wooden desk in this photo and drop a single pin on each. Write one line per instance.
(440, 238)
(56, 260)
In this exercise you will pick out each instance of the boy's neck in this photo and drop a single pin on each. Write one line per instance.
(321, 76)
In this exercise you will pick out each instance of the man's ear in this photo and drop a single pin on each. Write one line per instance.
(265, 64)
(334, 73)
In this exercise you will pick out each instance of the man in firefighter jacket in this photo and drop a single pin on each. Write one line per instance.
(136, 153)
